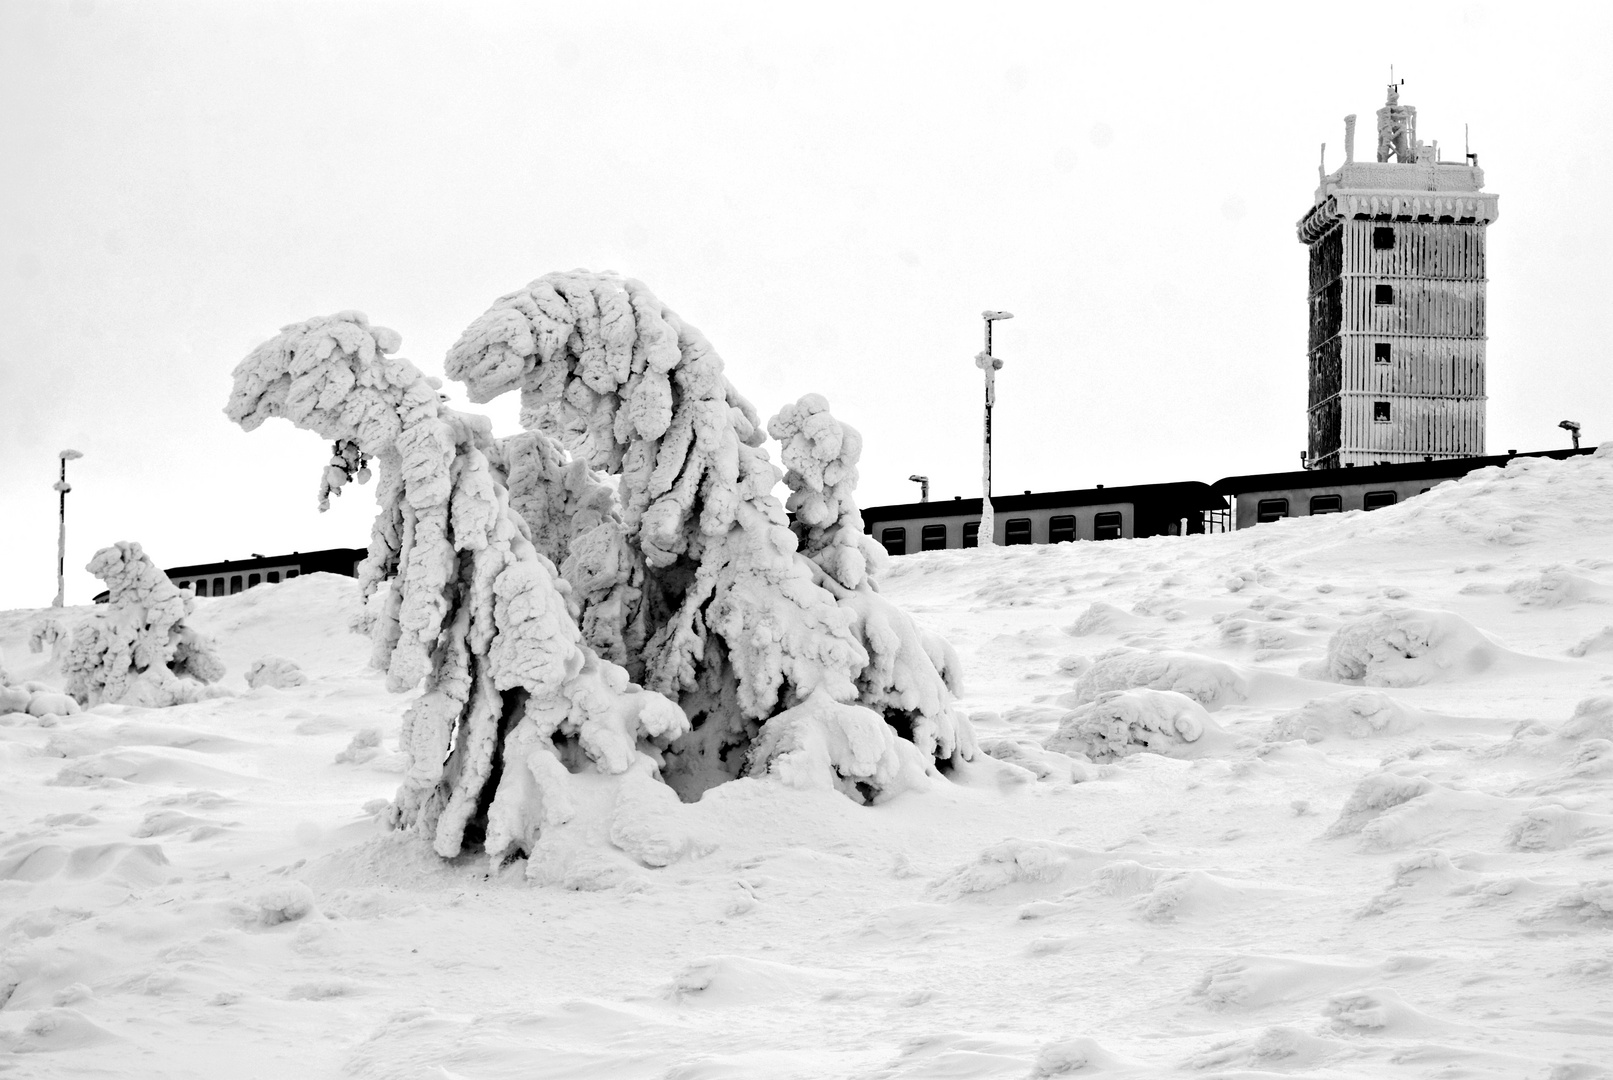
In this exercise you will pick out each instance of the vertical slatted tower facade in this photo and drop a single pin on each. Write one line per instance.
(1397, 278)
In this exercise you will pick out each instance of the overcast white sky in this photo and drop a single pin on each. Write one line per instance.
(832, 194)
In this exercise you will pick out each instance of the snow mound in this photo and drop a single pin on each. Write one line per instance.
(1353, 714)
(1408, 647)
(1125, 722)
(1601, 641)
(283, 902)
(1033, 866)
(746, 980)
(1102, 618)
(1211, 683)
(1554, 588)
(1045, 764)
(1381, 1011)
(1592, 719)
(274, 671)
(823, 743)
(1390, 810)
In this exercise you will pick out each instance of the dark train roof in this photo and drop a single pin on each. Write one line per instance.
(1184, 494)
(1440, 469)
(311, 561)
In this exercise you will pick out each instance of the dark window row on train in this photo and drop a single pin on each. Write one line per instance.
(230, 584)
(1329, 503)
(1061, 529)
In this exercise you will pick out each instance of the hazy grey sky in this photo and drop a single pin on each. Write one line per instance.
(832, 193)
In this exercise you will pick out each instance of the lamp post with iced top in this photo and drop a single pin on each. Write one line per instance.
(990, 365)
(62, 487)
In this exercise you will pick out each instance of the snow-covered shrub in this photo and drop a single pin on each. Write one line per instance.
(1407, 647)
(42, 633)
(1592, 719)
(695, 582)
(1354, 714)
(13, 699)
(50, 703)
(275, 671)
(1211, 683)
(137, 649)
(456, 596)
(1601, 641)
(1125, 722)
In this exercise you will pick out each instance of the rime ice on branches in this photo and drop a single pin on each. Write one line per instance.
(138, 650)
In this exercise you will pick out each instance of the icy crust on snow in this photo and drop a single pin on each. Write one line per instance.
(138, 650)
(694, 581)
(457, 596)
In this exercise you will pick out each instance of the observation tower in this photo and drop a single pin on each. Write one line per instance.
(1397, 276)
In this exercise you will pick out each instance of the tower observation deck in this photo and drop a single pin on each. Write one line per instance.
(1397, 278)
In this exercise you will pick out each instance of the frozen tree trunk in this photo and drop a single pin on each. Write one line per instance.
(138, 650)
(457, 596)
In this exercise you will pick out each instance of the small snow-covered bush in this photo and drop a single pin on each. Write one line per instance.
(137, 649)
(274, 671)
(1354, 714)
(1125, 722)
(1407, 647)
(14, 699)
(1592, 719)
(1211, 683)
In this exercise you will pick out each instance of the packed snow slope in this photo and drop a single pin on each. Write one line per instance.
(1343, 807)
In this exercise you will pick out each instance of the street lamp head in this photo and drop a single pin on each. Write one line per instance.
(917, 479)
(992, 316)
(1569, 425)
(69, 455)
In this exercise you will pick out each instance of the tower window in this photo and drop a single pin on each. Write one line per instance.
(1377, 500)
(971, 534)
(1380, 411)
(1061, 529)
(1383, 238)
(1018, 531)
(1106, 526)
(1383, 294)
(895, 541)
(933, 538)
(1380, 352)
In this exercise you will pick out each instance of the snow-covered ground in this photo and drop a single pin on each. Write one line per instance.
(1406, 874)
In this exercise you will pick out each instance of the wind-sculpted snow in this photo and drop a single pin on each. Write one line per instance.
(138, 650)
(693, 578)
(1211, 683)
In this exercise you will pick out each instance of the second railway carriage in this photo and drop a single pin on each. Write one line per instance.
(1048, 517)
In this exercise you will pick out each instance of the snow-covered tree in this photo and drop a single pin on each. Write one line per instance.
(137, 650)
(457, 596)
(698, 585)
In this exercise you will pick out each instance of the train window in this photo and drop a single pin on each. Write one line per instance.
(1380, 352)
(1018, 531)
(1380, 412)
(895, 540)
(971, 534)
(933, 538)
(290, 574)
(218, 586)
(1061, 529)
(1106, 526)
(1327, 504)
(1383, 294)
(273, 577)
(1383, 238)
(254, 579)
(1271, 510)
(201, 586)
(1377, 500)
(235, 584)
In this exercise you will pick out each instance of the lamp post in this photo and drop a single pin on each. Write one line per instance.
(924, 486)
(62, 487)
(1572, 427)
(990, 365)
